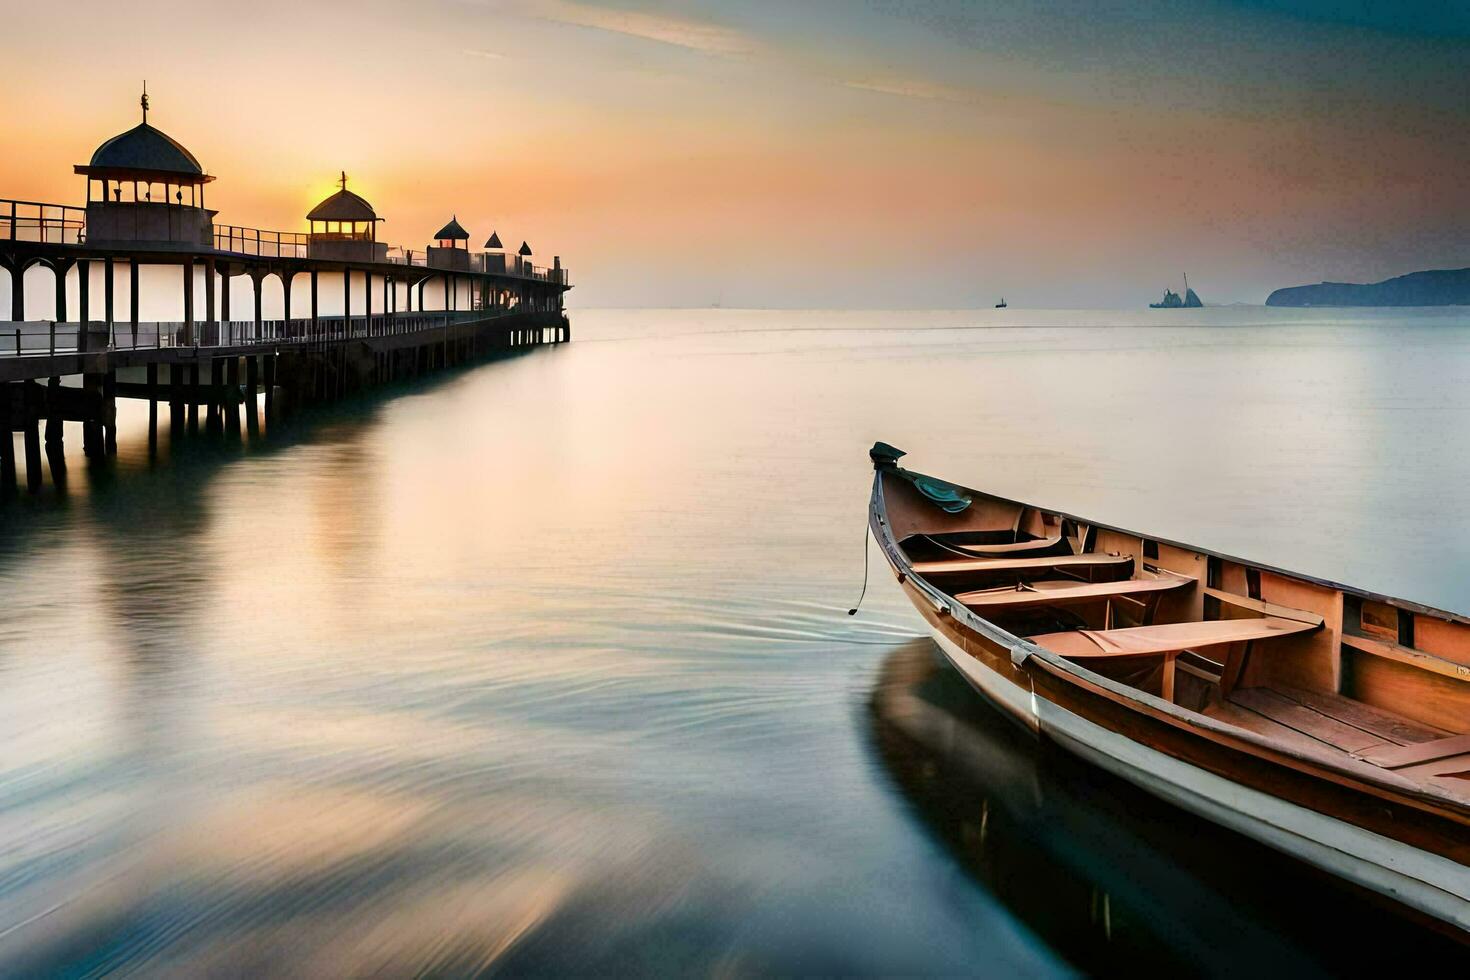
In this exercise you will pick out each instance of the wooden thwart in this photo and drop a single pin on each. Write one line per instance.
(1166, 638)
(1036, 544)
(1265, 608)
(1077, 562)
(1060, 593)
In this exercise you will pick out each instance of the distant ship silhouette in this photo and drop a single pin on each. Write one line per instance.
(1173, 301)
(1002, 304)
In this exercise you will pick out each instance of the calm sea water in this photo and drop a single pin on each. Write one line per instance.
(543, 666)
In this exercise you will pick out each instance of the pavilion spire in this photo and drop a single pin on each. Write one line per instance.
(343, 180)
(144, 101)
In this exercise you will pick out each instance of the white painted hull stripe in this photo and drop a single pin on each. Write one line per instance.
(1428, 882)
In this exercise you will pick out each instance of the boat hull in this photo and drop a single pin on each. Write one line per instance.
(1428, 883)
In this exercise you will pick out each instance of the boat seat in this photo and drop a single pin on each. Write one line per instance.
(1064, 593)
(1168, 640)
(1077, 562)
(1265, 608)
(1035, 544)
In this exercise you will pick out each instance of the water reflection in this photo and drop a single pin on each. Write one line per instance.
(1115, 880)
(543, 666)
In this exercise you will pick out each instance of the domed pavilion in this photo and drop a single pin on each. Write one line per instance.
(143, 186)
(345, 227)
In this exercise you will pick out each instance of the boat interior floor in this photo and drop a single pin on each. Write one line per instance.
(1139, 623)
(1315, 720)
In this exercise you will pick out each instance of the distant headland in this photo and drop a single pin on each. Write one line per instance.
(1438, 287)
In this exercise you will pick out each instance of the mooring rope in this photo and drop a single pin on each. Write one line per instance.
(863, 594)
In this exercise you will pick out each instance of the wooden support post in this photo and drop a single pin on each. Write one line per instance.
(33, 452)
(176, 400)
(193, 406)
(7, 443)
(258, 279)
(269, 371)
(252, 382)
(346, 297)
(84, 301)
(109, 412)
(152, 379)
(209, 316)
(54, 430)
(213, 422)
(108, 293)
(61, 291)
(56, 459)
(314, 318)
(232, 398)
(286, 278)
(189, 306)
(92, 441)
(133, 299)
(18, 292)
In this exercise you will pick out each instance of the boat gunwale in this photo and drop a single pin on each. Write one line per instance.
(1408, 604)
(1023, 650)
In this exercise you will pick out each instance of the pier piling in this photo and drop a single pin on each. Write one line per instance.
(109, 412)
(7, 451)
(231, 397)
(54, 425)
(33, 454)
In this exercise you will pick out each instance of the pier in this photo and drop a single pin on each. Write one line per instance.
(403, 312)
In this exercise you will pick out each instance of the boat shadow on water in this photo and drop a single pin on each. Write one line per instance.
(1109, 877)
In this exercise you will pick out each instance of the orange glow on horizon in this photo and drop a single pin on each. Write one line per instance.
(670, 161)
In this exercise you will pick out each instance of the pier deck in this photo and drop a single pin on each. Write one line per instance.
(145, 206)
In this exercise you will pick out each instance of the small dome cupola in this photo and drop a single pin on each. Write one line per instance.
(493, 242)
(144, 153)
(145, 148)
(344, 226)
(452, 233)
(525, 249)
(133, 178)
(345, 208)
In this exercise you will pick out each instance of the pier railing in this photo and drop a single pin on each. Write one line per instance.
(62, 224)
(407, 256)
(266, 244)
(45, 338)
(33, 221)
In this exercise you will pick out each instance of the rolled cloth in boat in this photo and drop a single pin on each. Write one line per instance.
(948, 497)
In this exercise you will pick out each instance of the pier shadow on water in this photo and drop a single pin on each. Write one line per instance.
(1112, 879)
(160, 469)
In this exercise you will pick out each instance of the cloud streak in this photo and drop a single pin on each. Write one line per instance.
(681, 32)
(913, 88)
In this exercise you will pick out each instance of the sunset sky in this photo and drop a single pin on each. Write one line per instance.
(803, 153)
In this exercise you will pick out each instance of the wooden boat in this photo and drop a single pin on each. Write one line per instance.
(1328, 722)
